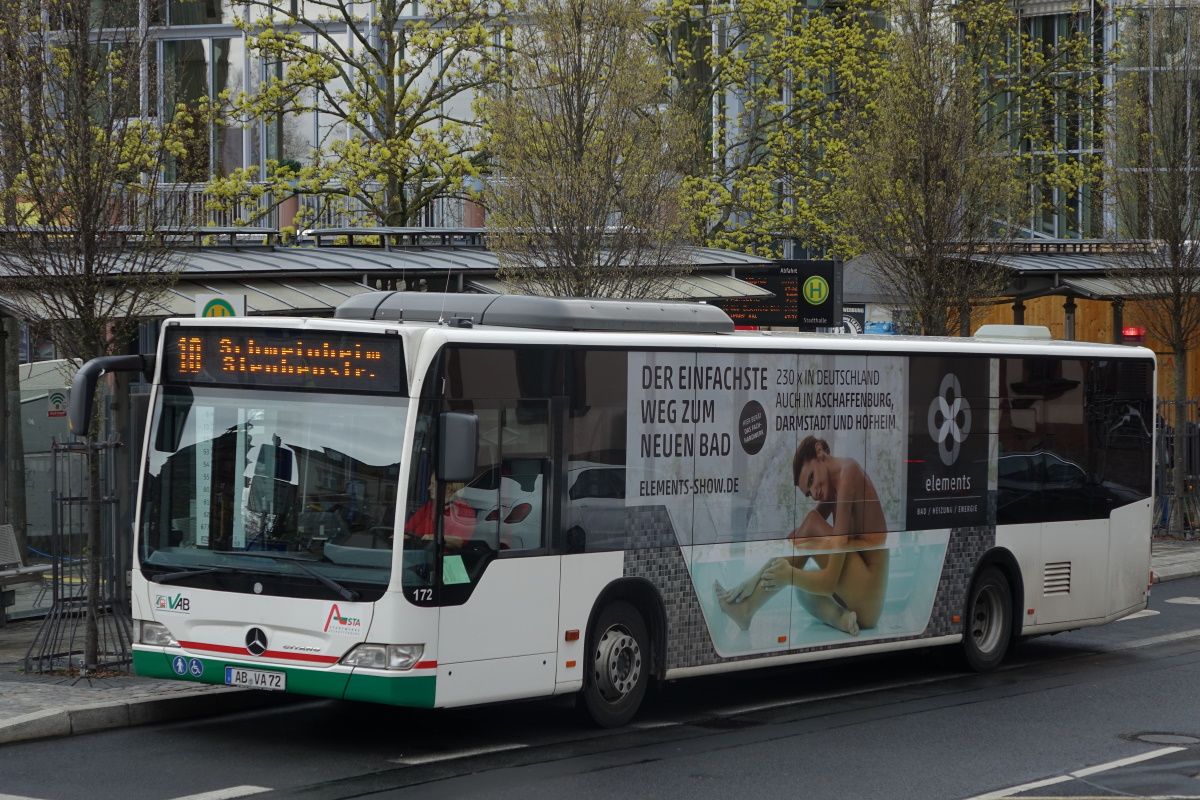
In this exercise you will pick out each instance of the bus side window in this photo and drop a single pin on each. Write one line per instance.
(593, 515)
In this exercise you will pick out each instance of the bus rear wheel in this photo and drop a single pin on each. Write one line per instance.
(987, 627)
(618, 666)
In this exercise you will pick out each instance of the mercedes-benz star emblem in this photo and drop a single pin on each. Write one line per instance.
(256, 641)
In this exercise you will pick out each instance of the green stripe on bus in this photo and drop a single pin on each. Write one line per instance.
(299, 681)
(416, 691)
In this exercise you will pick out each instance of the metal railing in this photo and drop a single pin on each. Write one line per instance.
(187, 204)
(1177, 459)
(61, 642)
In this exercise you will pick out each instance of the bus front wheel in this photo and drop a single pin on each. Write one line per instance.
(987, 628)
(618, 666)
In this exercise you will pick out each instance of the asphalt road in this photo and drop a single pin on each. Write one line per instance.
(1102, 712)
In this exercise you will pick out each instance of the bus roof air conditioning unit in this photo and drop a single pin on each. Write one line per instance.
(542, 313)
(1028, 332)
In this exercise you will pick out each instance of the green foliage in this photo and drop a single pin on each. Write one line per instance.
(395, 91)
(769, 85)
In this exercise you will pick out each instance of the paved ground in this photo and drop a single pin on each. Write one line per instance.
(36, 706)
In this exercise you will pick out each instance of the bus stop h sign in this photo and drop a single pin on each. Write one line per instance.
(820, 302)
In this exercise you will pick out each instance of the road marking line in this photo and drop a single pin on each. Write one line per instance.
(223, 794)
(15, 797)
(1145, 612)
(646, 726)
(1024, 787)
(834, 695)
(1153, 640)
(1186, 601)
(1124, 762)
(839, 694)
(1079, 773)
(412, 761)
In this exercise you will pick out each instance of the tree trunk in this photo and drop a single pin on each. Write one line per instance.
(91, 647)
(17, 515)
(1178, 519)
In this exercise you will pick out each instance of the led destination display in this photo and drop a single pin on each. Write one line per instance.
(288, 358)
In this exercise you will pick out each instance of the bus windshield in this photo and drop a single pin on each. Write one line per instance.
(272, 492)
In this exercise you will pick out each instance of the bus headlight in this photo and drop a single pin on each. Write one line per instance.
(155, 634)
(384, 656)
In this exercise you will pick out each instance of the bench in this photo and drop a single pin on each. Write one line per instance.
(13, 570)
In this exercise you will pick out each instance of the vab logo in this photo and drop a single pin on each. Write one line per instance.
(341, 624)
(955, 424)
(176, 603)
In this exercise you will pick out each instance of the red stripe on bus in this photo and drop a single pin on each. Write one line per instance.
(425, 665)
(241, 651)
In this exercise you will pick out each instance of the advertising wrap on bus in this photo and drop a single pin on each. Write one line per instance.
(813, 495)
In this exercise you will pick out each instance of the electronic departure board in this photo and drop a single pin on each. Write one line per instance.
(782, 309)
(294, 359)
(808, 296)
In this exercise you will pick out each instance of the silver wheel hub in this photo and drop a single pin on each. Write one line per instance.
(618, 664)
(985, 620)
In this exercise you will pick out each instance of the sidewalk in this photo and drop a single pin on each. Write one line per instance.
(1174, 559)
(37, 706)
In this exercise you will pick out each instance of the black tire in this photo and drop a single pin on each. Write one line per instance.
(617, 666)
(987, 621)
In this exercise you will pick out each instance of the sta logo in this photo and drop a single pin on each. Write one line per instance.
(337, 623)
(176, 603)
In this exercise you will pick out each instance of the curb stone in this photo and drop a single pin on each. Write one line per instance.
(125, 713)
(1175, 573)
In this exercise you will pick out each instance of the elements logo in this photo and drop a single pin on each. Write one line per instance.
(336, 623)
(955, 424)
(816, 290)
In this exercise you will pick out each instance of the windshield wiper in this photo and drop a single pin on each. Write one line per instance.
(342, 591)
(170, 577)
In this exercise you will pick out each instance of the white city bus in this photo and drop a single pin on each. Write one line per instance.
(439, 500)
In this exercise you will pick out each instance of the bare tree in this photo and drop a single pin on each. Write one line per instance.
(80, 157)
(585, 195)
(1155, 185)
(937, 180)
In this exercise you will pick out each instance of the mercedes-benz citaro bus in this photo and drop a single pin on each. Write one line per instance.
(439, 500)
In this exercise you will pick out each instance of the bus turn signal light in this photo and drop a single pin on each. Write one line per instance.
(572, 636)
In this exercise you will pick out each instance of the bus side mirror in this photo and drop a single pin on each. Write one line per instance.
(458, 443)
(83, 386)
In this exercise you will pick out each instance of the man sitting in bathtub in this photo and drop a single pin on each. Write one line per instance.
(846, 590)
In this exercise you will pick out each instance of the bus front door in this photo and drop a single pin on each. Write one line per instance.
(498, 631)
